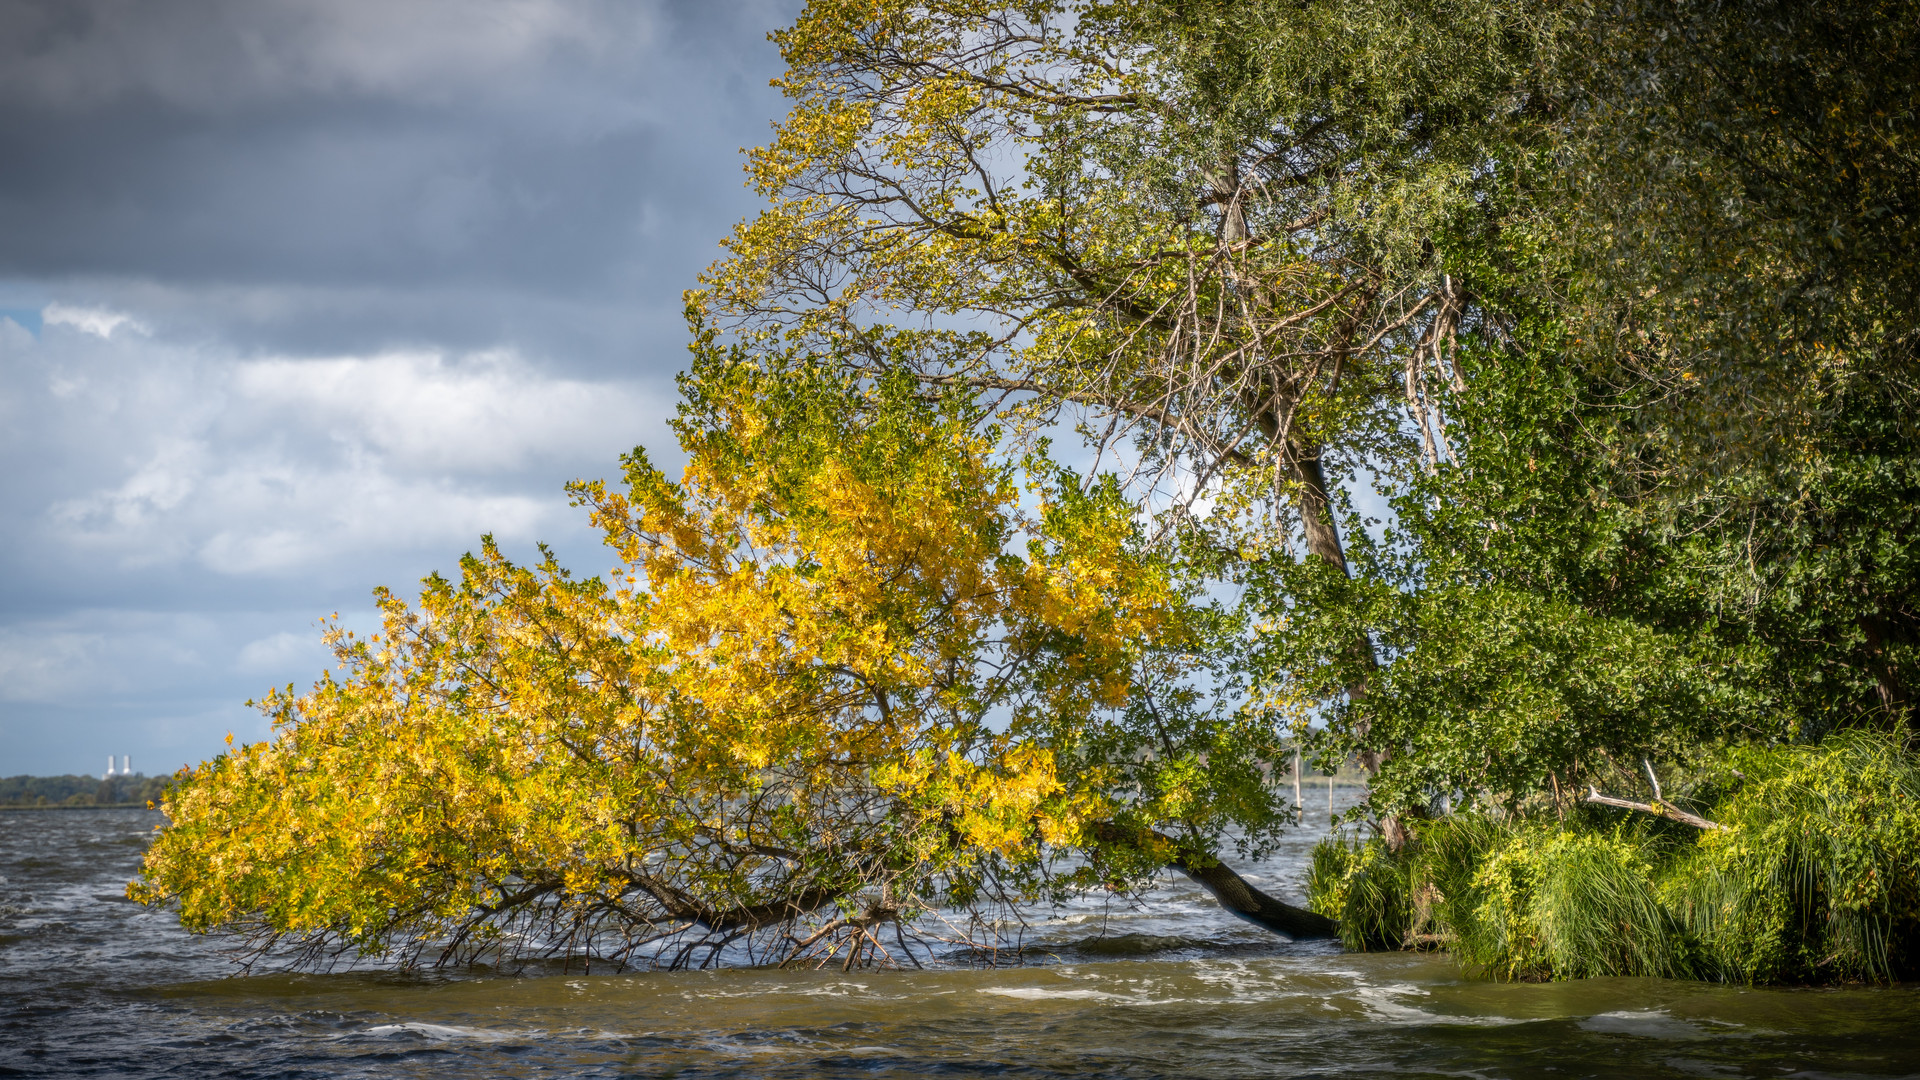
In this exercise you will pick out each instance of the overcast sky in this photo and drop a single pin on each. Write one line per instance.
(300, 297)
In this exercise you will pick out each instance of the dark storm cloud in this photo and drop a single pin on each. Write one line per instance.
(298, 298)
(463, 155)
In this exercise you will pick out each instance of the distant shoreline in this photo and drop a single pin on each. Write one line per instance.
(80, 806)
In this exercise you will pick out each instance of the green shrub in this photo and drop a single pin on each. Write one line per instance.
(1387, 901)
(1363, 887)
(1814, 878)
(1569, 903)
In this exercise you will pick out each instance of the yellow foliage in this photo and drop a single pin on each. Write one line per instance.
(785, 692)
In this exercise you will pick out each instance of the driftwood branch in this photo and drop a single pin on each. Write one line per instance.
(1658, 808)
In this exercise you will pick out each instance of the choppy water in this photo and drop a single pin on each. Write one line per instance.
(91, 985)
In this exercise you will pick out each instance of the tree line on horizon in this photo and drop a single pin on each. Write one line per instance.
(1018, 553)
(71, 790)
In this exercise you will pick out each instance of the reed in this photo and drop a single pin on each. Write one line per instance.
(1569, 902)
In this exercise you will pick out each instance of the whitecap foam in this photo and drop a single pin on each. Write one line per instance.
(1042, 993)
(446, 1032)
(1646, 1023)
(838, 989)
(1380, 1006)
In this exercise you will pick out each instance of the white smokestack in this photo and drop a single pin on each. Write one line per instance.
(126, 764)
(109, 775)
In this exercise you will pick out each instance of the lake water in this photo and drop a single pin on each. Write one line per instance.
(92, 985)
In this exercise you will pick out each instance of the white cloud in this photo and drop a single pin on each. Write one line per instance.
(176, 455)
(426, 411)
(44, 665)
(161, 685)
(243, 207)
(159, 484)
(93, 653)
(91, 320)
(278, 652)
(262, 527)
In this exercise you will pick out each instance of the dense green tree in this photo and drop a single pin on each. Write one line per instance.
(1679, 491)
(1740, 184)
(1544, 615)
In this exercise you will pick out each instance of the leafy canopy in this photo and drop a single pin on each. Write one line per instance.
(838, 668)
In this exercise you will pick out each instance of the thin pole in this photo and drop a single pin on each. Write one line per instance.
(1297, 804)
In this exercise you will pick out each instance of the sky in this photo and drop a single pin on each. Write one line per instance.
(302, 297)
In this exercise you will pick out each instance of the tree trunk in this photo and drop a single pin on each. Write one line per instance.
(1893, 696)
(1238, 896)
(1323, 541)
(1316, 508)
(1241, 899)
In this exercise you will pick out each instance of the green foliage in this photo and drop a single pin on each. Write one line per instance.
(1739, 183)
(1543, 603)
(1811, 879)
(1385, 899)
(1817, 876)
(1527, 623)
(1570, 903)
(1365, 889)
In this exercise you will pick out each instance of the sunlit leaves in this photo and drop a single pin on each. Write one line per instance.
(839, 664)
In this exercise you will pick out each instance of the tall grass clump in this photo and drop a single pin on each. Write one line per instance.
(1365, 888)
(1386, 900)
(1569, 903)
(1814, 877)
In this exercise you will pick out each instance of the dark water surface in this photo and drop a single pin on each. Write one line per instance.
(92, 985)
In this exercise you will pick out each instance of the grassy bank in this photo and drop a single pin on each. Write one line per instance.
(1813, 877)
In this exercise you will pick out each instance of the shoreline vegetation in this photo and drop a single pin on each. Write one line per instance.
(1808, 873)
(1614, 307)
(82, 792)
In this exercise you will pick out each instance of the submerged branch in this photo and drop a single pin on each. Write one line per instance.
(1235, 893)
(683, 906)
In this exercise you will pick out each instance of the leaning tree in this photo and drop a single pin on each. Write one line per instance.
(840, 700)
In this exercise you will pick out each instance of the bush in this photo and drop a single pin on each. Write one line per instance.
(1365, 889)
(1813, 879)
(1410, 900)
(1569, 903)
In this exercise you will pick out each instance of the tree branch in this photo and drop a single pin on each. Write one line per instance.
(1234, 892)
(1658, 808)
